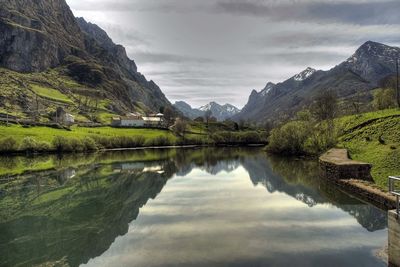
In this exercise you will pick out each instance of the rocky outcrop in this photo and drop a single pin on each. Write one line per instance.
(36, 35)
(42, 34)
(117, 52)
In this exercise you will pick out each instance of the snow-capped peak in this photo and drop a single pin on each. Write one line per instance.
(207, 107)
(267, 89)
(305, 74)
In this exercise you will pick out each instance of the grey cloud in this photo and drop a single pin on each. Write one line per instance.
(366, 13)
(149, 57)
(199, 51)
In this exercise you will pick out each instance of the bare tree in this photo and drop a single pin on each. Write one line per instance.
(384, 98)
(207, 116)
(168, 114)
(356, 102)
(325, 105)
(180, 127)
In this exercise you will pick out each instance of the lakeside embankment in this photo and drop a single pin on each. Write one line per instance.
(372, 137)
(354, 177)
(16, 139)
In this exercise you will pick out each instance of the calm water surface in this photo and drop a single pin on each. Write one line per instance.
(192, 207)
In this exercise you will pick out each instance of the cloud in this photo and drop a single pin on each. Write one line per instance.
(363, 12)
(154, 57)
(200, 51)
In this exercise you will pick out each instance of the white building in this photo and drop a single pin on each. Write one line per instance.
(134, 120)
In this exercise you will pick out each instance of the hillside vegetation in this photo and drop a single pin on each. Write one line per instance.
(37, 96)
(373, 137)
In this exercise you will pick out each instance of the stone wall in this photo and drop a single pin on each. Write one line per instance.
(394, 239)
(335, 164)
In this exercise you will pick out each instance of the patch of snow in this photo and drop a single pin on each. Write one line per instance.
(304, 74)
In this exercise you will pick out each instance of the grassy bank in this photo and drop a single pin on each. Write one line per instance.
(16, 138)
(372, 137)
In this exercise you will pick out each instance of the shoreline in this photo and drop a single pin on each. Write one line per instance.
(353, 177)
(44, 153)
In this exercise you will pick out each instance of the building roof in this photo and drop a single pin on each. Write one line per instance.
(153, 119)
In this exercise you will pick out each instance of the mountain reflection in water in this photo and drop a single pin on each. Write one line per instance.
(73, 213)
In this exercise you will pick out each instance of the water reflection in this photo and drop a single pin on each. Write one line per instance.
(73, 211)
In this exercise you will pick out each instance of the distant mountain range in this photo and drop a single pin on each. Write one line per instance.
(355, 77)
(220, 112)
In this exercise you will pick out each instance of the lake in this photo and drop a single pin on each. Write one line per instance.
(181, 207)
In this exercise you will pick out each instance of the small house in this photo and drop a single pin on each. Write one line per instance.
(64, 117)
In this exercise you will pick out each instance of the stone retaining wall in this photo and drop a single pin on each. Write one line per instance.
(354, 177)
(394, 239)
(335, 164)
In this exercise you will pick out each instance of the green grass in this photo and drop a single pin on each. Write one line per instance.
(47, 134)
(361, 134)
(51, 93)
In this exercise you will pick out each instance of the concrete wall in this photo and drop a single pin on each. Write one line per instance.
(394, 239)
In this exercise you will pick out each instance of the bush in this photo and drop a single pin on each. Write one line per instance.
(190, 141)
(29, 145)
(159, 141)
(76, 145)
(384, 98)
(226, 137)
(89, 144)
(289, 139)
(8, 144)
(62, 144)
(43, 146)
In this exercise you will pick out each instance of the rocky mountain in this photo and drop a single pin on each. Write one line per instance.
(41, 36)
(355, 77)
(220, 112)
(187, 110)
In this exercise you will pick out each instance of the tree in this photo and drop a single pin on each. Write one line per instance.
(207, 116)
(168, 114)
(325, 105)
(357, 102)
(180, 127)
(384, 98)
(199, 119)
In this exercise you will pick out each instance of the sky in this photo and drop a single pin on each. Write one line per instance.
(220, 50)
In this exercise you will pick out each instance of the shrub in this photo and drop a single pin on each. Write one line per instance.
(89, 144)
(250, 138)
(62, 144)
(8, 144)
(159, 141)
(226, 137)
(76, 145)
(29, 145)
(43, 146)
(289, 139)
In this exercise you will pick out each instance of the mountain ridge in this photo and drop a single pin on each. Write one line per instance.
(220, 112)
(359, 74)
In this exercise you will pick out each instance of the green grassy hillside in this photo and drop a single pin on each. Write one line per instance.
(35, 96)
(374, 138)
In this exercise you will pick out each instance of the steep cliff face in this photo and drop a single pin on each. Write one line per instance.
(100, 46)
(38, 35)
(118, 52)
